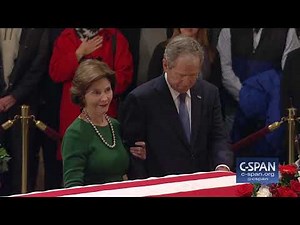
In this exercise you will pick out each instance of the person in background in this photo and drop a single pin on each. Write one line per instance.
(178, 116)
(298, 32)
(149, 38)
(24, 60)
(76, 44)
(50, 96)
(252, 60)
(290, 93)
(290, 84)
(133, 35)
(92, 148)
(211, 69)
(169, 32)
(213, 34)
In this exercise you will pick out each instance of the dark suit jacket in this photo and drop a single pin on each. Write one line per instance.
(29, 67)
(290, 84)
(150, 114)
(50, 92)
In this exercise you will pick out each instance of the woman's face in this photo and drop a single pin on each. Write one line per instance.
(190, 32)
(98, 97)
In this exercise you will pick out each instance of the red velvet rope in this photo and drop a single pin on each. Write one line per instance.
(52, 134)
(250, 139)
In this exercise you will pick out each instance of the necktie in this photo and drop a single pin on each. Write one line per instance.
(184, 116)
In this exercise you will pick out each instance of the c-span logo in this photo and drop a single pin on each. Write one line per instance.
(257, 170)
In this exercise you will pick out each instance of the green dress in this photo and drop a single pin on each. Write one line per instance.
(87, 160)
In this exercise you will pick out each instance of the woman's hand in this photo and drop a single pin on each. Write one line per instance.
(139, 150)
(88, 46)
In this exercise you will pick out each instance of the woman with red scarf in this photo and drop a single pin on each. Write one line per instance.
(76, 44)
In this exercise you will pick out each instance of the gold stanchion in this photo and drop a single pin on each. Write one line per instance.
(24, 121)
(276, 125)
(7, 124)
(25, 141)
(291, 130)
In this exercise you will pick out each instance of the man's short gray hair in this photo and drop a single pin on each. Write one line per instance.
(181, 45)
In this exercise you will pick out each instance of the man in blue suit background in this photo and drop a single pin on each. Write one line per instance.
(154, 111)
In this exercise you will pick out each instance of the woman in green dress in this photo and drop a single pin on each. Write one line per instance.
(92, 148)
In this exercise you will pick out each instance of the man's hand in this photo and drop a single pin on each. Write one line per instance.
(6, 102)
(222, 168)
(139, 150)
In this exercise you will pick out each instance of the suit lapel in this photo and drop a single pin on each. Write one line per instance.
(21, 54)
(196, 105)
(24, 40)
(168, 107)
(23, 36)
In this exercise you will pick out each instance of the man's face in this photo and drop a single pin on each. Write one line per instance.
(184, 73)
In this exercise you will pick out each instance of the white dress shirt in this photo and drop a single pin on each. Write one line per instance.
(9, 45)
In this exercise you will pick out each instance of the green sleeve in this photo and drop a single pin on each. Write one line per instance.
(74, 155)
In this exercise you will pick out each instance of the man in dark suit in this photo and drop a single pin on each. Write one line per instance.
(155, 114)
(290, 90)
(50, 95)
(23, 61)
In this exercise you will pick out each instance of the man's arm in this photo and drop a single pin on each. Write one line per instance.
(230, 81)
(133, 129)
(221, 152)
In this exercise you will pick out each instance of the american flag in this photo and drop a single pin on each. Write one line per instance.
(201, 184)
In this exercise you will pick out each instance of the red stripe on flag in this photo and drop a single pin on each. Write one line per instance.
(230, 191)
(128, 184)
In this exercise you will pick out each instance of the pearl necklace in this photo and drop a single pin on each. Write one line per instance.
(98, 132)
